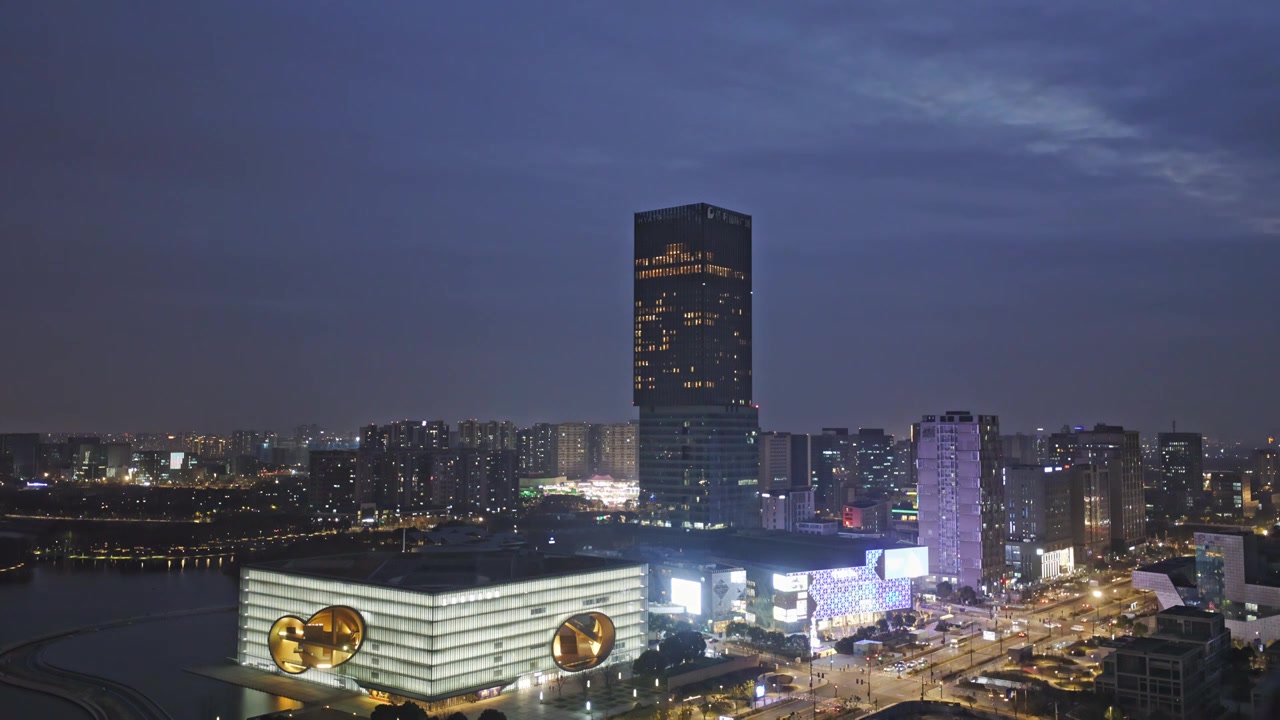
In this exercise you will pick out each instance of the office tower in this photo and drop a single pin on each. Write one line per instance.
(1023, 449)
(331, 484)
(119, 458)
(834, 461)
(1040, 537)
(18, 453)
(962, 515)
(875, 463)
(571, 450)
(88, 458)
(785, 461)
(1091, 504)
(613, 449)
(1181, 486)
(537, 450)
(1120, 450)
(692, 369)
(1231, 497)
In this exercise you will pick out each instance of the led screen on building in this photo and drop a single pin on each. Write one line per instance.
(687, 593)
(905, 563)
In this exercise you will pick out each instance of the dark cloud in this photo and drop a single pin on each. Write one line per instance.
(250, 214)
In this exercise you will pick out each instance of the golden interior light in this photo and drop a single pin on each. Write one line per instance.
(326, 640)
(583, 641)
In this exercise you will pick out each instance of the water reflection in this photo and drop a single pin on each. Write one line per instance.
(151, 656)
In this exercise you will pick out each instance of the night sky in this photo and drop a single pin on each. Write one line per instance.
(235, 214)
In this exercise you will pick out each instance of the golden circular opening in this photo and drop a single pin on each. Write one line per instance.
(583, 641)
(324, 641)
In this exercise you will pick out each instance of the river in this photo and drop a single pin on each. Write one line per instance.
(152, 657)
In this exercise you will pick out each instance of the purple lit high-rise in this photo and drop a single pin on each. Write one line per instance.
(961, 498)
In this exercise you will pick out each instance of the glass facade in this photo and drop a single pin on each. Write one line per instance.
(439, 644)
(699, 466)
(697, 457)
(692, 307)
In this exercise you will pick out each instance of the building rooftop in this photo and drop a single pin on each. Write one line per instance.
(1160, 646)
(441, 570)
(1189, 612)
(1181, 570)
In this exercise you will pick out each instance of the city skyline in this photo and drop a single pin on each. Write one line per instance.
(243, 244)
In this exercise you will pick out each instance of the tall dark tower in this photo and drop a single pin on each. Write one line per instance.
(698, 460)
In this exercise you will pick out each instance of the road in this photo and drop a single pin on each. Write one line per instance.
(22, 665)
(875, 686)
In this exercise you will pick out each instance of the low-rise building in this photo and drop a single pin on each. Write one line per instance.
(1176, 671)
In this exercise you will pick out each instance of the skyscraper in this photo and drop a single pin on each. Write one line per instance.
(961, 496)
(1181, 473)
(785, 461)
(698, 461)
(833, 460)
(1120, 451)
(875, 463)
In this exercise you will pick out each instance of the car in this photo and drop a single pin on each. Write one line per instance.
(1022, 634)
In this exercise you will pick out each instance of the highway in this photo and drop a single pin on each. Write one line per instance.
(22, 665)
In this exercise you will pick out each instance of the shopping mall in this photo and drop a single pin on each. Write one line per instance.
(436, 625)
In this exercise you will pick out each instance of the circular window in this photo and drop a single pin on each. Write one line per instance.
(583, 641)
(324, 641)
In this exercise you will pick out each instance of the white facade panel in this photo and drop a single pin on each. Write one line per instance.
(440, 644)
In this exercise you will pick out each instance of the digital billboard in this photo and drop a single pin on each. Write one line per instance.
(687, 593)
(905, 563)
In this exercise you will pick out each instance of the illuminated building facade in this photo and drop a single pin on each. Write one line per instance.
(436, 625)
(961, 496)
(850, 596)
(692, 381)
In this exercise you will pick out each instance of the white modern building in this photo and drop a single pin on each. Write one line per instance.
(435, 625)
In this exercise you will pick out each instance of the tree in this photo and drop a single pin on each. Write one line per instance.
(945, 589)
(683, 647)
(737, 628)
(1139, 630)
(457, 716)
(492, 714)
(405, 711)
(967, 595)
(650, 662)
